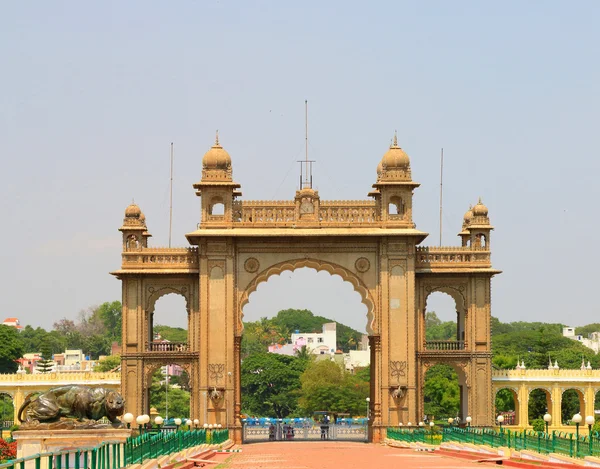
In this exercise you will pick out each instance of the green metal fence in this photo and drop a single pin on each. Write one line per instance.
(540, 442)
(116, 455)
(105, 456)
(150, 446)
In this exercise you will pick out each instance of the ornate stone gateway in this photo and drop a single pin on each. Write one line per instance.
(373, 244)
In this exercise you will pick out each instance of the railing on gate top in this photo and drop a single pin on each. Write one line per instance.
(556, 442)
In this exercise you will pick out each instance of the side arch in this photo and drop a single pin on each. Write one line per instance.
(155, 293)
(455, 292)
(318, 265)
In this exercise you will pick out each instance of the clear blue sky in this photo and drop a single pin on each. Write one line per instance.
(92, 94)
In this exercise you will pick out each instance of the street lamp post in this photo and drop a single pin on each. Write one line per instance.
(140, 422)
(128, 418)
(500, 419)
(450, 421)
(368, 399)
(196, 423)
(547, 420)
(468, 420)
(577, 420)
(431, 424)
(159, 421)
(589, 420)
(177, 422)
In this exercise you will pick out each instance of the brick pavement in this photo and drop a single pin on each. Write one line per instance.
(338, 455)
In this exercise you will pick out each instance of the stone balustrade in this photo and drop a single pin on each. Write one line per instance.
(168, 347)
(258, 213)
(161, 258)
(444, 345)
(452, 257)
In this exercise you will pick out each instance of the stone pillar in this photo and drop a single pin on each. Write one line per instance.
(237, 406)
(523, 406)
(376, 429)
(556, 406)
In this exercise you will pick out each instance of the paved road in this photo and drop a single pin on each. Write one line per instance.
(330, 455)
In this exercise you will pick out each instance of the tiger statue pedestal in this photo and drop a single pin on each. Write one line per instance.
(38, 441)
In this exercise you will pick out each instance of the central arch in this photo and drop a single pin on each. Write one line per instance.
(318, 265)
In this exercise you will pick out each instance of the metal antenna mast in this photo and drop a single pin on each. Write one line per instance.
(441, 191)
(306, 175)
(171, 198)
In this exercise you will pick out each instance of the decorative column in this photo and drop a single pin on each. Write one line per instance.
(376, 430)
(524, 406)
(237, 406)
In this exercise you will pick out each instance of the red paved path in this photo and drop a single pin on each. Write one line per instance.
(316, 455)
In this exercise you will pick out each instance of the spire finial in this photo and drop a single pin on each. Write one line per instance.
(217, 138)
(395, 138)
(480, 202)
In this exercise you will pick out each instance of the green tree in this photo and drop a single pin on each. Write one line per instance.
(110, 363)
(271, 384)
(303, 353)
(44, 365)
(364, 374)
(505, 401)
(178, 399)
(538, 405)
(436, 329)
(172, 334)
(110, 316)
(326, 386)
(441, 393)
(11, 348)
(588, 329)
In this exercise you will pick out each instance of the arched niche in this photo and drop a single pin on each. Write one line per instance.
(539, 401)
(458, 340)
(572, 401)
(506, 402)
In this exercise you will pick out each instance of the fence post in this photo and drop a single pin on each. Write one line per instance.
(570, 444)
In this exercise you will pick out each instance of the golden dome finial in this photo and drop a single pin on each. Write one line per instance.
(217, 138)
(395, 144)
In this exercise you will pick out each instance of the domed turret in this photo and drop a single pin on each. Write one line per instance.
(468, 216)
(394, 188)
(395, 157)
(479, 226)
(216, 187)
(480, 210)
(133, 211)
(135, 232)
(216, 157)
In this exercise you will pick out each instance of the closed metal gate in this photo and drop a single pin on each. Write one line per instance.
(305, 431)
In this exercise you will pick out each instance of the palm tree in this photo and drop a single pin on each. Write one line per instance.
(303, 353)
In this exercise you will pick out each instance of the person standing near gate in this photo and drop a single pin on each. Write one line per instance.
(271, 432)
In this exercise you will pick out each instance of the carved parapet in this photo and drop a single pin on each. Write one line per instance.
(161, 259)
(284, 213)
(451, 258)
